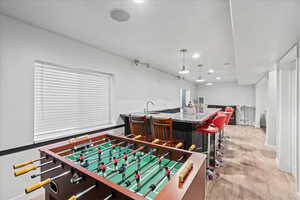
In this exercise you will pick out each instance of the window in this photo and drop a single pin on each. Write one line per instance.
(69, 101)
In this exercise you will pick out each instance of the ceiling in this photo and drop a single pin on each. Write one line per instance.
(263, 31)
(250, 35)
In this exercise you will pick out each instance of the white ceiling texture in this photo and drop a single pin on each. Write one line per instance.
(239, 39)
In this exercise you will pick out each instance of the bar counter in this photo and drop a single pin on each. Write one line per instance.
(183, 124)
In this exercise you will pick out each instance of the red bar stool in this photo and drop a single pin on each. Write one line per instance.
(221, 132)
(230, 111)
(211, 131)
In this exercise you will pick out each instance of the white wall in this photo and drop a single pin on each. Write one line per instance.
(272, 111)
(229, 93)
(261, 99)
(21, 44)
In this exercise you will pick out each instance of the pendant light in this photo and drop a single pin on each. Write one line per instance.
(183, 69)
(200, 79)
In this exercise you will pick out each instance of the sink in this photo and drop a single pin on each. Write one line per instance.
(151, 112)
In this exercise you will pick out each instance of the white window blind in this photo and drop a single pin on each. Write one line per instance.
(69, 101)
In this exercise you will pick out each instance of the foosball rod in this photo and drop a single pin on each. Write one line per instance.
(153, 186)
(119, 151)
(46, 171)
(33, 167)
(112, 195)
(44, 182)
(121, 157)
(108, 148)
(23, 164)
(77, 196)
(127, 183)
(138, 160)
(82, 145)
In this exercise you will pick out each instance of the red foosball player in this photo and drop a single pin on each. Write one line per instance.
(125, 157)
(168, 173)
(102, 168)
(137, 178)
(81, 158)
(115, 162)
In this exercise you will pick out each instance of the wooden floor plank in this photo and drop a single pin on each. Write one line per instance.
(250, 172)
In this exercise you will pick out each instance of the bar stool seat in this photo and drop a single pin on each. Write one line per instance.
(210, 129)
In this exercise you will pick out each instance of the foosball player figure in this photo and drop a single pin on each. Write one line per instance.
(159, 161)
(138, 179)
(81, 158)
(122, 170)
(152, 187)
(139, 162)
(126, 158)
(110, 154)
(168, 173)
(102, 168)
(115, 162)
(85, 163)
(99, 153)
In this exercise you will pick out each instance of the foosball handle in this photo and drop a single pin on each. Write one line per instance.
(137, 137)
(156, 141)
(73, 198)
(192, 147)
(37, 185)
(24, 171)
(16, 166)
(185, 172)
(179, 145)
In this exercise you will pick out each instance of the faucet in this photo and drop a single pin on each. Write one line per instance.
(147, 106)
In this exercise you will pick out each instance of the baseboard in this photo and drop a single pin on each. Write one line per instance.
(297, 196)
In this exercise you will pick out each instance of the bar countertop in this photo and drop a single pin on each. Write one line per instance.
(179, 116)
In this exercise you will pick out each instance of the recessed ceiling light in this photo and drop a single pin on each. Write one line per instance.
(119, 15)
(196, 55)
(218, 78)
(211, 71)
(209, 84)
(139, 1)
(184, 71)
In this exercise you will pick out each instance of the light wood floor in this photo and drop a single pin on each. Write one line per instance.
(250, 172)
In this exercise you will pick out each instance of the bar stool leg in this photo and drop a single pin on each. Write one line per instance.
(211, 157)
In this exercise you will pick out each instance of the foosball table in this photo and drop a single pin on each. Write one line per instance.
(104, 166)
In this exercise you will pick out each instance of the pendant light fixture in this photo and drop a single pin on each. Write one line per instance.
(183, 70)
(200, 79)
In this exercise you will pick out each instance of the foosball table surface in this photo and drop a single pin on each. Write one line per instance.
(149, 177)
